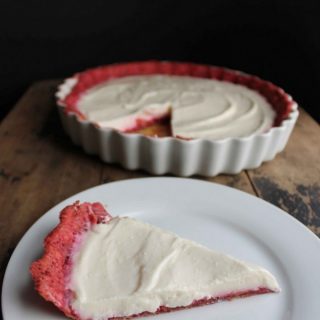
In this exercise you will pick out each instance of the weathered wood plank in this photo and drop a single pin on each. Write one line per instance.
(39, 165)
(241, 181)
(292, 180)
(114, 172)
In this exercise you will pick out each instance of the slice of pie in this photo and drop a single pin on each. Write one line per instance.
(99, 267)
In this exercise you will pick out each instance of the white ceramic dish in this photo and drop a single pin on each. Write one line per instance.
(172, 155)
(219, 217)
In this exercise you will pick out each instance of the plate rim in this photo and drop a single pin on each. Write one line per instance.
(276, 211)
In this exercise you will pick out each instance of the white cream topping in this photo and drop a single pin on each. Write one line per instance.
(200, 108)
(126, 267)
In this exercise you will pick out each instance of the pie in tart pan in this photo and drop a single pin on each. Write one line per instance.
(178, 118)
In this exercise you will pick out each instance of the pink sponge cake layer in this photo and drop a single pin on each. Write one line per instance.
(52, 272)
(199, 303)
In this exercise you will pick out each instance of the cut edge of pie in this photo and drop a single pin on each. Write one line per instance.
(51, 273)
(280, 101)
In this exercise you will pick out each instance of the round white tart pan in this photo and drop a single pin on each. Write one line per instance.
(173, 155)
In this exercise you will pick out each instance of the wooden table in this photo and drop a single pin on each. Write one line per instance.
(39, 167)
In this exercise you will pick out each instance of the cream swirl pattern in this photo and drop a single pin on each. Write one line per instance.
(199, 108)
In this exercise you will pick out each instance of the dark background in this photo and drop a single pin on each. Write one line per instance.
(276, 40)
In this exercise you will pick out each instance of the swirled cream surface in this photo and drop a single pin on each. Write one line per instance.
(199, 108)
(126, 267)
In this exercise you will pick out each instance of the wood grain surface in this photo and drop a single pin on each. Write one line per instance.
(39, 167)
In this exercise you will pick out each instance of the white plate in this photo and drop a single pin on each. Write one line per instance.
(221, 218)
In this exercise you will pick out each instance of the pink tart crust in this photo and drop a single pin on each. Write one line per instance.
(281, 102)
(51, 273)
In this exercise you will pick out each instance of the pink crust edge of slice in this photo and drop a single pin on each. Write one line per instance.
(281, 102)
(199, 303)
(51, 272)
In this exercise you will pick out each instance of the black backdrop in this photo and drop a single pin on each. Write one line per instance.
(276, 40)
